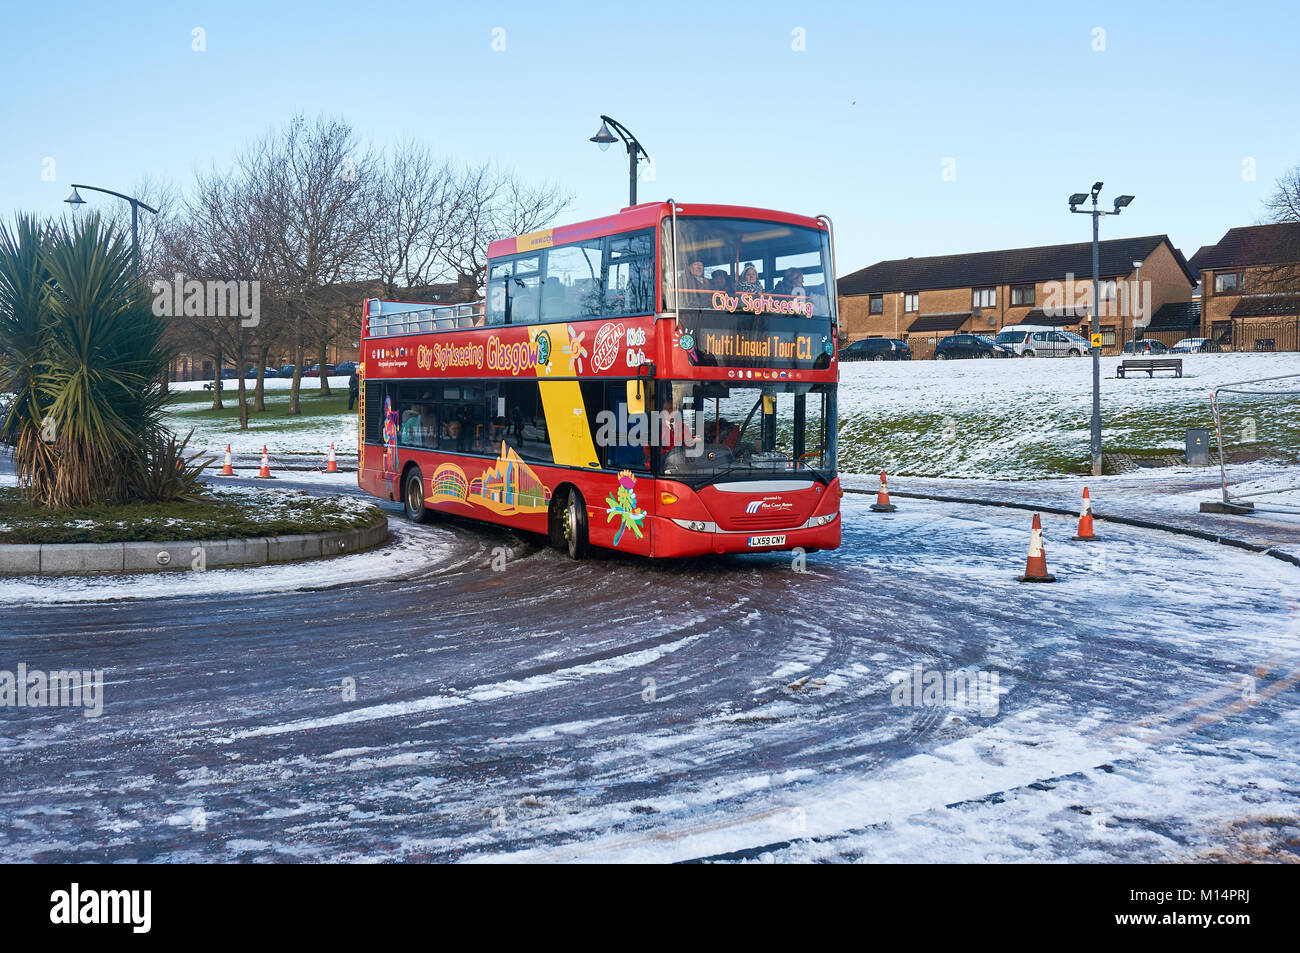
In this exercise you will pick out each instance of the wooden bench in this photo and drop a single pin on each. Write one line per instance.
(1151, 365)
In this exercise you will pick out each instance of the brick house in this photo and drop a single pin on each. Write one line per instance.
(1250, 288)
(921, 300)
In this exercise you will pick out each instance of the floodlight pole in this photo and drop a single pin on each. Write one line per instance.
(1120, 203)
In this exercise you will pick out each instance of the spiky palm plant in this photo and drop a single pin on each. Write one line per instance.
(24, 333)
(85, 352)
(105, 359)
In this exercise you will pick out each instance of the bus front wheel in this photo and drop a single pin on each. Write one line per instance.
(413, 498)
(573, 525)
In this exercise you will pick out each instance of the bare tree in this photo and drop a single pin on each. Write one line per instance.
(413, 211)
(223, 238)
(492, 205)
(1282, 276)
(314, 181)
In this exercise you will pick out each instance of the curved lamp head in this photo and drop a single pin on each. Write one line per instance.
(604, 138)
(75, 199)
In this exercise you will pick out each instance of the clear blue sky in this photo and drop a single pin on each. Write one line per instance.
(859, 125)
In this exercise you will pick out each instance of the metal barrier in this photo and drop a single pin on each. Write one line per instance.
(1239, 499)
(426, 319)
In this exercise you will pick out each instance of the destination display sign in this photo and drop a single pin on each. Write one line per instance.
(740, 339)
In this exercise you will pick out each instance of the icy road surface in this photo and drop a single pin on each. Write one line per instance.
(1145, 706)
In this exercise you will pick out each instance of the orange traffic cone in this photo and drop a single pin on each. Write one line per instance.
(1086, 534)
(265, 472)
(882, 504)
(331, 465)
(1036, 564)
(227, 469)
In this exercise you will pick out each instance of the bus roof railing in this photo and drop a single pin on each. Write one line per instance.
(389, 318)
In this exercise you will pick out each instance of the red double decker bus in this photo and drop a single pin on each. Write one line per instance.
(661, 381)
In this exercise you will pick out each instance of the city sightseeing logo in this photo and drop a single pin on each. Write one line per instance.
(761, 304)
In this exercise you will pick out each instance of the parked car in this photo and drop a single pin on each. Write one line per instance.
(345, 369)
(314, 371)
(267, 373)
(287, 370)
(956, 346)
(877, 349)
(1029, 340)
(1195, 346)
(1145, 348)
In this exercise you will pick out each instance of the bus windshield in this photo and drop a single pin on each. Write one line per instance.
(710, 430)
(751, 293)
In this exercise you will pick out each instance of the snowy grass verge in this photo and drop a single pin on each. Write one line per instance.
(233, 513)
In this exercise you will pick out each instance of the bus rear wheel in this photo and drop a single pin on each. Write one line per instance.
(413, 497)
(573, 525)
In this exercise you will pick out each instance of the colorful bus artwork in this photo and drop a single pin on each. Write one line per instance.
(661, 381)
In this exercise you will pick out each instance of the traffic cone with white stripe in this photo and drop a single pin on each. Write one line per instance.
(331, 465)
(226, 468)
(882, 504)
(265, 472)
(1036, 564)
(1086, 535)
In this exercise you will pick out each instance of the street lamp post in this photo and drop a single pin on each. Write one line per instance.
(1122, 202)
(604, 138)
(75, 199)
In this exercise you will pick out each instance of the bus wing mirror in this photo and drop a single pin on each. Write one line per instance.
(636, 397)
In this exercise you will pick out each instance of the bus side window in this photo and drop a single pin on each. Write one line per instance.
(629, 274)
(523, 425)
(628, 434)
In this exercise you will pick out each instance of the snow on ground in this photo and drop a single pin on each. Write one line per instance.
(412, 549)
(1029, 417)
(287, 437)
(620, 709)
(230, 387)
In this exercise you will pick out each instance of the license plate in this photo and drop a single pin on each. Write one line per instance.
(767, 540)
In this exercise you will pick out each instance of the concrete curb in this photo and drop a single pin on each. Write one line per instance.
(59, 559)
(1124, 520)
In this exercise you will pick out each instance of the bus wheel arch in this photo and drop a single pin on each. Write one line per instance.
(412, 489)
(567, 522)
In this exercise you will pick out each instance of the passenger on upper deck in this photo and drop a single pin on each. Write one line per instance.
(792, 284)
(694, 283)
(749, 279)
(720, 280)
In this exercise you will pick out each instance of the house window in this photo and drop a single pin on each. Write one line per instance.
(1108, 336)
(911, 302)
(1022, 296)
(877, 304)
(984, 298)
(1226, 283)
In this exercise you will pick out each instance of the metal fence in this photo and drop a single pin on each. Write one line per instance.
(423, 319)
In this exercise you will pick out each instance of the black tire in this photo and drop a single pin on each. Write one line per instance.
(573, 525)
(413, 497)
(1030, 353)
(879, 357)
(941, 356)
(985, 355)
(1075, 352)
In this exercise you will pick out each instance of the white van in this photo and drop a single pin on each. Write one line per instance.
(1036, 340)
